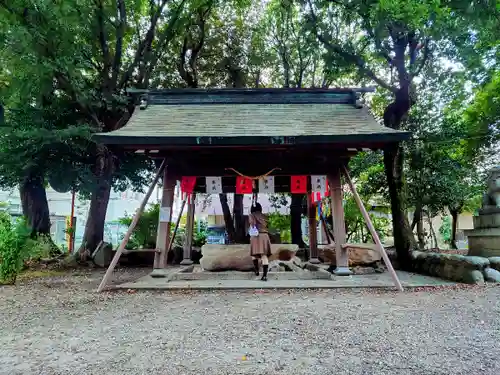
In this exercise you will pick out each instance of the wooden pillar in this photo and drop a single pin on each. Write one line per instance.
(373, 232)
(313, 231)
(341, 254)
(165, 219)
(188, 242)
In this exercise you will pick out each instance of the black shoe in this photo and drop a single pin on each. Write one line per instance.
(264, 269)
(256, 266)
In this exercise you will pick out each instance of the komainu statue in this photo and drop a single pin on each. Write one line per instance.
(491, 200)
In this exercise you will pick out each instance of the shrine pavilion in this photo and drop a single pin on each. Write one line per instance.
(251, 132)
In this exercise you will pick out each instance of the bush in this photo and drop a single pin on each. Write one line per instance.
(144, 234)
(281, 224)
(16, 247)
(445, 230)
(199, 238)
(356, 228)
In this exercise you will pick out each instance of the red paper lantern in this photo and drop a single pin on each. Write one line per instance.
(243, 185)
(298, 185)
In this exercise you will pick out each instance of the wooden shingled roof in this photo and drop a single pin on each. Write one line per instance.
(249, 117)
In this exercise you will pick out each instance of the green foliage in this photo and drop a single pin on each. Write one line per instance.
(144, 234)
(16, 247)
(281, 224)
(355, 224)
(445, 230)
(483, 114)
(199, 238)
(146, 230)
(65, 67)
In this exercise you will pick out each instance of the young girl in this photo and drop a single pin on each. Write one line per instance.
(260, 244)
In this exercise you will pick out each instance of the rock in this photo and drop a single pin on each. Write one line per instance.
(187, 269)
(293, 265)
(451, 266)
(359, 254)
(449, 272)
(274, 266)
(312, 267)
(103, 255)
(237, 257)
(491, 274)
(473, 277)
(477, 263)
(495, 263)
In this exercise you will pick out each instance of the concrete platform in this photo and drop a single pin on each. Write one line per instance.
(409, 280)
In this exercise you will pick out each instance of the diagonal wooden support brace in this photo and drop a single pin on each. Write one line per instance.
(372, 230)
(130, 229)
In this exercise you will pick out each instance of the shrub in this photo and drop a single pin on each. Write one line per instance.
(445, 230)
(17, 247)
(199, 238)
(144, 234)
(281, 224)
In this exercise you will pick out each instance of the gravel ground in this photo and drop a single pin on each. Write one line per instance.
(60, 326)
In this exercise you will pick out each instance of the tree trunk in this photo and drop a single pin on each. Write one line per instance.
(418, 222)
(454, 224)
(433, 232)
(34, 203)
(404, 241)
(94, 228)
(421, 234)
(239, 219)
(296, 219)
(228, 219)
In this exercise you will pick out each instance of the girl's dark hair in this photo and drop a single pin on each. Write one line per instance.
(256, 208)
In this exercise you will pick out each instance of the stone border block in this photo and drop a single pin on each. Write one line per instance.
(460, 268)
(495, 263)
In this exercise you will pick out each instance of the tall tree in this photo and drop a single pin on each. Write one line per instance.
(94, 50)
(394, 42)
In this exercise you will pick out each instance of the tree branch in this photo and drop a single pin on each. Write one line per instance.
(354, 58)
(143, 45)
(182, 65)
(425, 58)
(163, 41)
(120, 33)
(106, 58)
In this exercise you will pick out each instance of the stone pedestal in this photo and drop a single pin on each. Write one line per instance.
(484, 239)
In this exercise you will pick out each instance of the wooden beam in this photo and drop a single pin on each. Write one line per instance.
(174, 233)
(188, 243)
(126, 238)
(163, 236)
(313, 231)
(373, 232)
(254, 162)
(339, 232)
